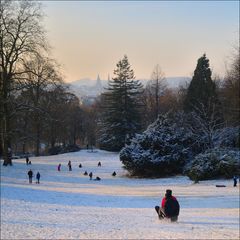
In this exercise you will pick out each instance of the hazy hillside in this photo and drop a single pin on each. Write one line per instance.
(89, 87)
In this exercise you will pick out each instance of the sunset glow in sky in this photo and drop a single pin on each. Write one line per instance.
(88, 38)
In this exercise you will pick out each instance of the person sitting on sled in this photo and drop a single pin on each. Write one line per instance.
(169, 207)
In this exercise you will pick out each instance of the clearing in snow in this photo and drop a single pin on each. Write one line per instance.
(68, 205)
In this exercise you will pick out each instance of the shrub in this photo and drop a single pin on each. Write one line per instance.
(162, 150)
(214, 163)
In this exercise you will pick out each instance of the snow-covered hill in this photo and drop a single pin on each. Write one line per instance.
(67, 205)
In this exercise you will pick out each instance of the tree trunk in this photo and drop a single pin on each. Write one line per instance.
(5, 119)
(53, 135)
(52, 143)
(7, 157)
(24, 147)
(37, 139)
(157, 98)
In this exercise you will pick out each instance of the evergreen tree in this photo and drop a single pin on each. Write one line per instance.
(120, 118)
(201, 94)
(162, 150)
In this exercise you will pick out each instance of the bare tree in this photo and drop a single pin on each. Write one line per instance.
(55, 101)
(21, 36)
(41, 76)
(231, 90)
(154, 91)
(205, 124)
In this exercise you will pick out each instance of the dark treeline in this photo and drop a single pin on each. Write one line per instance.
(210, 104)
(40, 115)
(197, 136)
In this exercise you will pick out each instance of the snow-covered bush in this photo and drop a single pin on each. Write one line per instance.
(214, 163)
(227, 137)
(162, 150)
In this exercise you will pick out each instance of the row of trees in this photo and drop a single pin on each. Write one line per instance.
(195, 140)
(21, 40)
(128, 108)
(36, 106)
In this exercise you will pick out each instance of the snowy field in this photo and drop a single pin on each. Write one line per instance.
(67, 205)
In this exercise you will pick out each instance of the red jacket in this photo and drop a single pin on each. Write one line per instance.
(164, 201)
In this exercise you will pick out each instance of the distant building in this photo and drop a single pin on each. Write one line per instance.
(88, 91)
(98, 86)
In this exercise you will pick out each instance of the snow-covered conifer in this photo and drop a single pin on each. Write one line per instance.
(163, 149)
(120, 118)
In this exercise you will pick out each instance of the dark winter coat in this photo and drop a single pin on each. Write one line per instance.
(171, 206)
(38, 175)
(59, 167)
(165, 199)
(30, 173)
(235, 181)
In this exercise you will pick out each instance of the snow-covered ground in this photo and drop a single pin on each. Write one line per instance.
(67, 205)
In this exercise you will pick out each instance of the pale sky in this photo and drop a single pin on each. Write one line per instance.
(89, 38)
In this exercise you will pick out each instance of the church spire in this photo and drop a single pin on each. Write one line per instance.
(98, 78)
(98, 83)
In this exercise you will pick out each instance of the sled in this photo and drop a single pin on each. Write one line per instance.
(163, 217)
(172, 219)
(219, 185)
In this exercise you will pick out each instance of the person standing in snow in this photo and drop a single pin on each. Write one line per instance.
(70, 166)
(234, 181)
(9, 153)
(30, 175)
(169, 207)
(90, 175)
(38, 177)
(27, 160)
(59, 167)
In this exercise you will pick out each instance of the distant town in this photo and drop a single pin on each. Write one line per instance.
(87, 90)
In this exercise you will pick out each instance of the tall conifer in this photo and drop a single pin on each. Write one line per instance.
(201, 89)
(120, 118)
(203, 103)
(202, 94)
